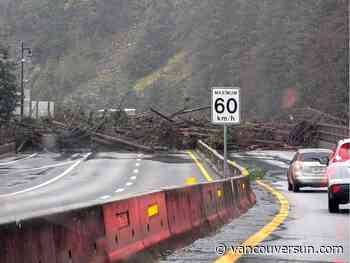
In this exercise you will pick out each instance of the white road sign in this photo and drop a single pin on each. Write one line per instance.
(225, 105)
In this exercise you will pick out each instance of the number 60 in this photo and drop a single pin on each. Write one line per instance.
(220, 106)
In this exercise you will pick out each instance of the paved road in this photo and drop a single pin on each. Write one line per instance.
(46, 182)
(308, 222)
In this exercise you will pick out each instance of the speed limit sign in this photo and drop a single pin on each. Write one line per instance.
(225, 105)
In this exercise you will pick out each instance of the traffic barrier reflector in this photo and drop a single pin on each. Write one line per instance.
(221, 208)
(242, 204)
(152, 210)
(153, 218)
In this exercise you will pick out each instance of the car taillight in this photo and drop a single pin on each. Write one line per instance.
(336, 188)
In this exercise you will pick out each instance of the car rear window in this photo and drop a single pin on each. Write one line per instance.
(344, 151)
(314, 157)
(342, 172)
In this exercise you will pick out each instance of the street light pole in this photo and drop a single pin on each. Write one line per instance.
(23, 49)
(22, 79)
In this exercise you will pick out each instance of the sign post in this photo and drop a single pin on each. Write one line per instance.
(225, 110)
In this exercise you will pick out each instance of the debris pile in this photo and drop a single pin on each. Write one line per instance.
(148, 131)
(155, 130)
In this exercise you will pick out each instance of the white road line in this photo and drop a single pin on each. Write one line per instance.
(119, 190)
(139, 160)
(135, 171)
(129, 184)
(137, 164)
(105, 197)
(133, 177)
(15, 161)
(46, 166)
(49, 181)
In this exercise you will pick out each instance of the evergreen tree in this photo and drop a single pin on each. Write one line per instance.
(8, 97)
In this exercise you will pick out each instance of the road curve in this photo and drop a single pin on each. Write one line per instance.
(87, 179)
(308, 222)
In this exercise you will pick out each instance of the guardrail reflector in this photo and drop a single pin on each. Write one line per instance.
(152, 210)
(219, 193)
(191, 180)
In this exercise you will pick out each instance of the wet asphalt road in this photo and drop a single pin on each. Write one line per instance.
(49, 182)
(99, 177)
(308, 223)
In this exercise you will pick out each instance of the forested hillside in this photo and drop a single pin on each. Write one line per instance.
(169, 53)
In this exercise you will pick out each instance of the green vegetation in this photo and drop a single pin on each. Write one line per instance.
(255, 172)
(8, 97)
(141, 52)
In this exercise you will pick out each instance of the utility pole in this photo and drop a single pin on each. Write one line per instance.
(23, 49)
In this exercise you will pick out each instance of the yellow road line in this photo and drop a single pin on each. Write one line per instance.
(200, 167)
(259, 236)
(245, 171)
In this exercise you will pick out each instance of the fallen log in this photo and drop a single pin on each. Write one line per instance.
(161, 115)
(181, 112)
(111, 140)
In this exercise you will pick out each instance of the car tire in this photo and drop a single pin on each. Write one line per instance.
(333, 206)
(296, 188)
(290, 186)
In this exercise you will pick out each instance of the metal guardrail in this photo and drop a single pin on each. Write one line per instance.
(332, 133)
(218, 160)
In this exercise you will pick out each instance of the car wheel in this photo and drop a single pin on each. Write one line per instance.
(290, 186)
(296, 188)
(333, 206)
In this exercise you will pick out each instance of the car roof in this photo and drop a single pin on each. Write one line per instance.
(314, 150)
(344, 141)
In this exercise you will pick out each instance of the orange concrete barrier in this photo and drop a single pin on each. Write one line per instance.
(153, 218)
(134, 224)
(221, 206)
(116, 230)
(197, 214)
(66, 237)
(235, 194)
(178, 202)
(230, 202)
(209, 203)
(124, 233)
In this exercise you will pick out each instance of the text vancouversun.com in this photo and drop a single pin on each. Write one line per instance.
(222, 249)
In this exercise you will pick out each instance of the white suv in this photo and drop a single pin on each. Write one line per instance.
(338, 174)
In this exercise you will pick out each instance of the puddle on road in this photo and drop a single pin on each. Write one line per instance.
(170, 158)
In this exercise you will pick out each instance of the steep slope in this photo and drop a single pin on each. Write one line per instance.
(171, 52)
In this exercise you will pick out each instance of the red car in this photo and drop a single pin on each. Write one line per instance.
(341, 153)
